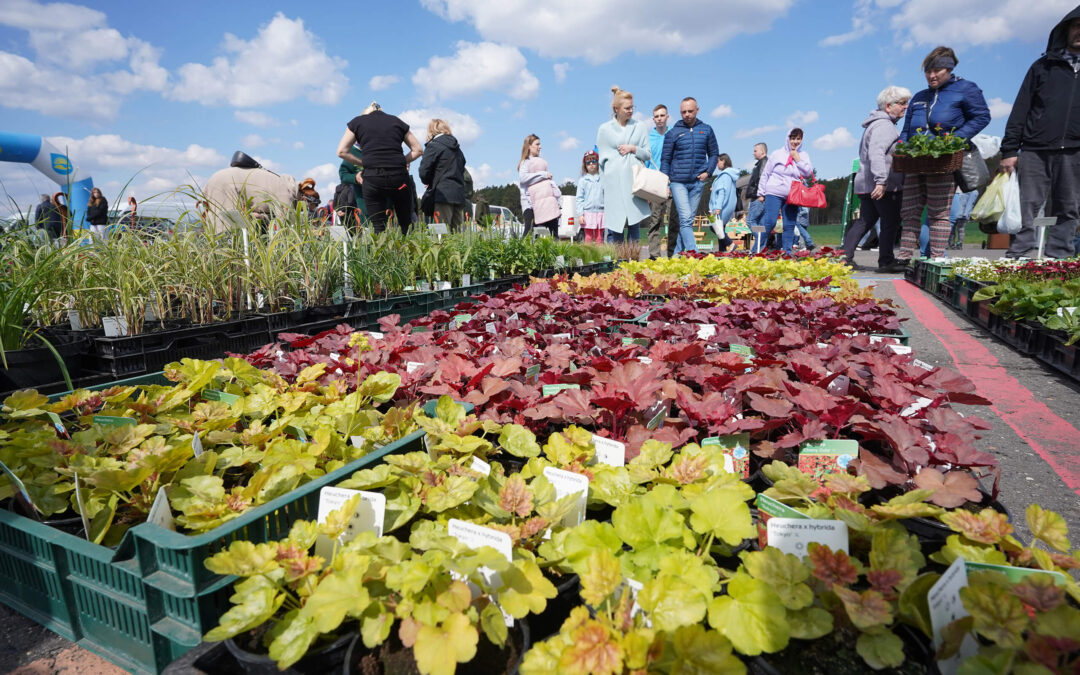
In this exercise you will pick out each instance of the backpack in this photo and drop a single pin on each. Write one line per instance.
(345, 196)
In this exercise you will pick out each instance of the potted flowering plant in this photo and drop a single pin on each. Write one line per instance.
(935, 152)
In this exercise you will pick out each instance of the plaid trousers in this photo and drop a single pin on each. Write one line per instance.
(935, 192)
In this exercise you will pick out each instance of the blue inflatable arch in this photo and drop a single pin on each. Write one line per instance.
(43, 156)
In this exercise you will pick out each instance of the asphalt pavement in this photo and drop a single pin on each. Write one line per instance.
(1034, 432)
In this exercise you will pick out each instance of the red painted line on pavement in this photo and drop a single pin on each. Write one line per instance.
(1054, 439)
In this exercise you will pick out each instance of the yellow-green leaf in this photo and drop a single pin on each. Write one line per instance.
(751, 616)
(439, 649)
(881, 649)
(1048, 527)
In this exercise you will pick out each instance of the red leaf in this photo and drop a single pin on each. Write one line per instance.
(832, 567)
(879, 473)
(951, 490)
(908, 441)
(773, 407)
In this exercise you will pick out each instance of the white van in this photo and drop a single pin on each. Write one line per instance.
(569, 227)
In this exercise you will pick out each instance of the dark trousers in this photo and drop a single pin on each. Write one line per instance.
(530, 221)
(631, 233)
(1056, 172)
(659, 212)
(384, 187)
(870, 210)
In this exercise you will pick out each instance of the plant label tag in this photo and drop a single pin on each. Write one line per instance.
(608, 451)
(491, 273)
(579, 262)
(466, 280)
(418, 329)
(607, 258)
(531, 332)
(480, 466)
(552, 389)
(160, 513)
(490, 327)
(413, 366)
(444, 286)
(915, 407)
(1060, 312)
(771, 508)
(476, 536)
(111, 421)
(818, 458)
(196, 444)
(339, 297)
(460, 319)
(887, 339)
(74, 320)
(572, 367)
(560, 261)
(561, 336)
(793, 535)
(742, 350)
(644, 342)
(115, 326)
(900, 349)
(706, 331)
(375, 334)
(635, 587)
(736, 448)
(425, 286)
(532, 373)
(946, 606)
(568, 483)
(368, 516)
(20, 491)
(922, 364)
(57, 424)
(645, 359)
(1015, 574)
(215, 395)
(300, 435)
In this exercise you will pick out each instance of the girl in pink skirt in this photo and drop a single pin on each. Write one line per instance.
(590, 198)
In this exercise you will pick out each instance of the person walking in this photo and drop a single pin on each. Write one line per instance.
(755, 209)
(349, 204)
(590, 199)
(57, 224)
(540, 205)
(784, 166)
(722, 199)
(949, 105)
(660, 213)
(1042, 142)
(689, 155)
(385, 168)
(622, 143)
(97, 214)
(442, 170)
(876, 184)
(962, 203)
(41, 211)
(802, 222)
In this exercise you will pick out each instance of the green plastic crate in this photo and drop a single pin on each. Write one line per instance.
(146, 603)
(901, 335)
(933, 274)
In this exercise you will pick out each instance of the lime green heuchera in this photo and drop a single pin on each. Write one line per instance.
(809, 269)
(438, 593)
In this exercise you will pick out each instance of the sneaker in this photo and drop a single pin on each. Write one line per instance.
(898, 267)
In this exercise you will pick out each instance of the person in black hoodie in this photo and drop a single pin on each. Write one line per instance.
(442, 170)
(1042, 142)
(97, 213)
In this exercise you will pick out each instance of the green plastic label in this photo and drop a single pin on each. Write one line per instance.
(532, 372)
(775, 509)
(462, 318)
(418, 329)
(215, 395)
(644, 342)
(552, 389)
(737, 447)
(110, 421)
(1014, 574)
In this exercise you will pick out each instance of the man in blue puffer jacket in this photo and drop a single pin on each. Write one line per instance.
(689, 156)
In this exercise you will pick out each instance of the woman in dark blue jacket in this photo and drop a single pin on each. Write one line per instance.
(950, 105)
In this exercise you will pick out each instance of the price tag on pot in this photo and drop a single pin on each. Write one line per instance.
(561, 336)
(111, 421)
(608, 451)
(736, 452)
(368, 516)
(568, 483)
(579, 262)
(746, 352)
(196, 444)
(818, 458)
(607, 258)
(793, 535)
(461, 319)
(552, 389)
(74, 320)
(1060, 311)
(160, 513)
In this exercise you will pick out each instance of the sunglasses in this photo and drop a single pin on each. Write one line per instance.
(591, 161)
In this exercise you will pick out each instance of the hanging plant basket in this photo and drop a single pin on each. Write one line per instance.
(927, 164)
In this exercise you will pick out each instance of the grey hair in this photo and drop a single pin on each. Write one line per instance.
(371, 108)
(892, 94)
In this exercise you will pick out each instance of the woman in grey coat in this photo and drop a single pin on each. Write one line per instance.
(876, 184)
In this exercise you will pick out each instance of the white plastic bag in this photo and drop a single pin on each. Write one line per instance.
(988, 145)
(1009, 223)
(992, 203)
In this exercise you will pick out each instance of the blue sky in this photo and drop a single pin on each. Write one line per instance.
(152, 95)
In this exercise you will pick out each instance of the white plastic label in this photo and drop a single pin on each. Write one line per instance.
(561, 336)
(490, 327)
(476, 536)
(160, 513)
(375, 334)
(368, 516)
(915, 407)
(945, 607)
(413, 366)
(568, 483)
(608, 451)
(900, 349)
(922, 364)
(466, 280)
(196, 444)
(706, 331)
(480, 466)
(793, 535)
(729, 463)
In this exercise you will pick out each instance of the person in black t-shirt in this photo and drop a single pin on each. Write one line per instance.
(385, 168)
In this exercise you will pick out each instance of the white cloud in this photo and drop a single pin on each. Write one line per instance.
(323, 174)
(276, 65)
(111, 151)
(568, 142)
(840, 137)
(862, 24)
(988, 22)
(560, 71)
(380, 82)
(298, 145)
(462, 126)
(999, 108)
(801, 119)
(252, 141)
(722, 111)
(600, 30)
(756, 131)
(475, 68)
(75, 71)
(481, 175)
(255, 118)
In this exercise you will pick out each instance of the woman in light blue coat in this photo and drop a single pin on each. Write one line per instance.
(722, 199)
(622, 144)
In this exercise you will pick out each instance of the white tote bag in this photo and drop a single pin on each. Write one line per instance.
(1009, 223)
(649, 184)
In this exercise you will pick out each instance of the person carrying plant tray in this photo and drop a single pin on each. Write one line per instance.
(950, 110)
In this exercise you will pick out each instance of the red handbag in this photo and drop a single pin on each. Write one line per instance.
(812, 196)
